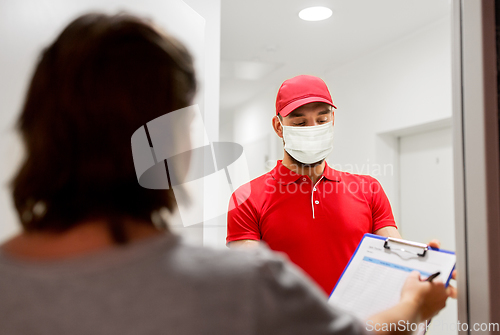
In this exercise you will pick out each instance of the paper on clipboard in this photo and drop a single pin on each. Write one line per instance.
(373, 279)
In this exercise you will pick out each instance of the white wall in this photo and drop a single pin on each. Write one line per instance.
(250, 125)
(213, 229)
(26, 26)
(399, 86)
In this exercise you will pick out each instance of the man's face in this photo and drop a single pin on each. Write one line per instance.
(312, 114)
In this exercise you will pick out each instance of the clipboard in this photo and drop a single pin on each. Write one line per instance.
(372, 280)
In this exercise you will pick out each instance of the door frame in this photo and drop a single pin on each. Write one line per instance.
(476, 162)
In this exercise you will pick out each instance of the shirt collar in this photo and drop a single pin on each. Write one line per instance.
(284, 175)
(331, 174)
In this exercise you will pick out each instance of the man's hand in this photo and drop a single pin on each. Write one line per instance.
(434, 243)
(452, 291)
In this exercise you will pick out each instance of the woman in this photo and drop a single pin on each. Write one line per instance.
(90, 259)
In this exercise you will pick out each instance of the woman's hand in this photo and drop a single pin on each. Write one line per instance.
(428, 297)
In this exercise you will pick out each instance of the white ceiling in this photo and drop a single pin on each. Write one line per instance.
(265, 42)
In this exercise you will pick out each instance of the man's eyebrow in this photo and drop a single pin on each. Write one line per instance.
(295, 114)
(326, 111)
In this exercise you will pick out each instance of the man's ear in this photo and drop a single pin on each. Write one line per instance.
(278, 129)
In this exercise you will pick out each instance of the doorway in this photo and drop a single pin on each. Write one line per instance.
(426, 201)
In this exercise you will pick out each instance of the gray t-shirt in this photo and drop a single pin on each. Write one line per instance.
(163, 286)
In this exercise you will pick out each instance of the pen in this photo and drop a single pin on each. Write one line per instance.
(432, 276)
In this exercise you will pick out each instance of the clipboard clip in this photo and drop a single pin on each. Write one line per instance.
(409, 243)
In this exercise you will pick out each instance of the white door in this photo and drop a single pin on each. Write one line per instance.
(426, 200)
(426, 187)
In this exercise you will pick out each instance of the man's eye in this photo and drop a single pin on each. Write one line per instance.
(300, 124)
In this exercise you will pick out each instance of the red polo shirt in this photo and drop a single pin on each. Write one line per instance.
(317, 226)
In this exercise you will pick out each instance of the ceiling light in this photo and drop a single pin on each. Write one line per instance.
(315, 13)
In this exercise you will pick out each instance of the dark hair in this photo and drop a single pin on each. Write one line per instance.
(102, 78)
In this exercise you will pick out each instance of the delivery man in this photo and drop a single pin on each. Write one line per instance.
(303, 207)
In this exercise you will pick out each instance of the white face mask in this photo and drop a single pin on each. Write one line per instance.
(309, 144)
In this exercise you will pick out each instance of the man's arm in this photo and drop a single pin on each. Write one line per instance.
(383, 223)
(243, 244)
(388, 231)
(242, 219)
(382, 211)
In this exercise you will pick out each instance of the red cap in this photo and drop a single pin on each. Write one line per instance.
(301, 90)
